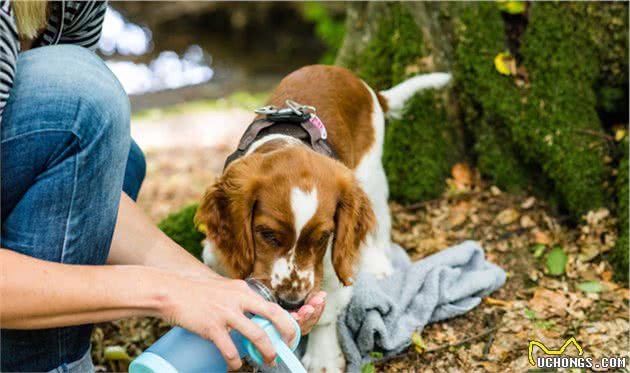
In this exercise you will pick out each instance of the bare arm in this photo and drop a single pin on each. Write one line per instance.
(41, 294)
(138, 241)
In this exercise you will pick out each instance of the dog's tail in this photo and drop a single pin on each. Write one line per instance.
(393, 100)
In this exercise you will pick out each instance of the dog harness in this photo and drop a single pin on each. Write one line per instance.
(295, 120)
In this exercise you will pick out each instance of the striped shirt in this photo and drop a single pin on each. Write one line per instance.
(69, 22)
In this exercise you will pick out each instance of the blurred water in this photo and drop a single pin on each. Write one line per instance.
(167, 71)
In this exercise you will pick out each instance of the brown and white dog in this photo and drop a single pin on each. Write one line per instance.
(300, 221)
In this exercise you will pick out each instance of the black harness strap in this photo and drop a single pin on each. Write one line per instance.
(298, 126)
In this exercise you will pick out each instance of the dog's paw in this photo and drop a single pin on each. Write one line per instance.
(323, 353)
(324, 359)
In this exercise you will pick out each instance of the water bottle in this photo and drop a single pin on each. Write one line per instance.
(181, 351)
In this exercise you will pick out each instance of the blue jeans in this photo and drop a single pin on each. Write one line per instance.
(66, 156)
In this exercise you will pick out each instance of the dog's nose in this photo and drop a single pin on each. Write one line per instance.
(289, 304)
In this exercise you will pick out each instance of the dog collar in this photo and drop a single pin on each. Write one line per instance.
(295, 120)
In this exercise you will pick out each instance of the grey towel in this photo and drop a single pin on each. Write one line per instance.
(383, 314)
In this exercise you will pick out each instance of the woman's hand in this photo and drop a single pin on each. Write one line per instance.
(211, 307)
(308, 315)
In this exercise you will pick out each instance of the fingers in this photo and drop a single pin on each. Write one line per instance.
(308, 315)
(276, 314)
(256, 335)
(224, 343)
(318, 302)
(305, 312)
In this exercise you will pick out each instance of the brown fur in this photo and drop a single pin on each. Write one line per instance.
(251, 197)
(343, 104)
(248, 211)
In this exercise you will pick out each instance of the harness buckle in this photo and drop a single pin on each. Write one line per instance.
(267, 110)
(300, 109)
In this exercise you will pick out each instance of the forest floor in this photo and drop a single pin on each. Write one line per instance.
(185, 152)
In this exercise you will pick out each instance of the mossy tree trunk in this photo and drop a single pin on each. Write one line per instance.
(545, 130)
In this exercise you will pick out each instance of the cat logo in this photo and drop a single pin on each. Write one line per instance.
(552, 352)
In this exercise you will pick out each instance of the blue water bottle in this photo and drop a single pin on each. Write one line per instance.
(181, 351)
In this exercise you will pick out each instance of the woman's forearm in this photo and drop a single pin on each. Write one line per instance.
(138, 241)
(40, 294)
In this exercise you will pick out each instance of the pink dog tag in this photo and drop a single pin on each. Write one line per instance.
(314, 119)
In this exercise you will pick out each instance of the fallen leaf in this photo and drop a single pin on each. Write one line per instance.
(538, 250)
(512, 7)
(609, 286)
(588, 253)
(477, 349)
(505, 63)
(620, 134)
(116, 353)
(458, 214)
(418, 342)
(461, 175)
(527, 221)
(546, 303)
(528, 203)
(507, 216)
(590, 287)
(541, 237)
(557, 261)
(497, 302)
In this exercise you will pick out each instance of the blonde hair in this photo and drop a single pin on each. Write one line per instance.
(30, 17)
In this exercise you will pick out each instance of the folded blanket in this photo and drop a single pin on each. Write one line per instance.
(383, 314)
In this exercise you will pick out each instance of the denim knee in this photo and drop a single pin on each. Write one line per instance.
(70, 83)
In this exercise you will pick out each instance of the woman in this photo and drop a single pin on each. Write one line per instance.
(75, 247)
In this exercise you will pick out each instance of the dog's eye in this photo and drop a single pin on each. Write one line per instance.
(269, 237)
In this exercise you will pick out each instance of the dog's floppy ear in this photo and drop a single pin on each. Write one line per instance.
(354, 218)
(226, 211)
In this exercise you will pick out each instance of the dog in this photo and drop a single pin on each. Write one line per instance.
(299, 219)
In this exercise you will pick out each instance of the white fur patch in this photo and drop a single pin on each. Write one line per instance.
(303, 206)
(281, 270)
(210, 259)
(258, 143)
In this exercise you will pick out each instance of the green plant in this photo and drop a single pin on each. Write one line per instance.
(179, 226)
(328, 28)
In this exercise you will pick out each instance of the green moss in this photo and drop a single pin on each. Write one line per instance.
(545, 125)
(610, 38)
(486, 96)
(396, 44)
(179, 226)
(620, 255)
(553, 125)
(497, 157)
(419, 150)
